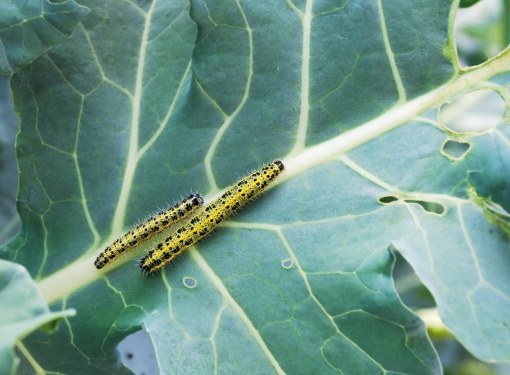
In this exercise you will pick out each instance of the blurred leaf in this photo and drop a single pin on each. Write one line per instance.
(9, 219)
(482, 30)
(22, 311)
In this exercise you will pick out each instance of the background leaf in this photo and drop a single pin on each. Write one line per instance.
(23, 310)
(9, 219)
(150, 100)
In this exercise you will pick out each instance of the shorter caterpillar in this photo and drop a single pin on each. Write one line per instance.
(147, 229)
(212, 215)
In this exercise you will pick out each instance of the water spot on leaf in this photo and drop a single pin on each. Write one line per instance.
(455, 150)
(287, 263)
(474, 112)
(189, 282)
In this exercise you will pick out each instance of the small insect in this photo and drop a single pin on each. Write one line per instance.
(209, 218)
(147, 229)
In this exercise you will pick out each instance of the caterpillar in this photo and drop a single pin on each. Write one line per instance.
(147, 229)
(208, 219)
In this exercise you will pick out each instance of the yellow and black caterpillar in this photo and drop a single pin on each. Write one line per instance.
(209, 218)
(147, 229)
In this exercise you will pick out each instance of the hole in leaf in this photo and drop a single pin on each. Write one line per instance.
(476, 111)
(408, 284)
(432, 207)
(287, 263)
(455, 149)
(480, 28)
(189, 282)
(136, 352)
(388, 199)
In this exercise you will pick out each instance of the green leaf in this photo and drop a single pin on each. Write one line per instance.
(23, 310)
(28, 29)
(467, 3)
(9, 219)
(149, 100)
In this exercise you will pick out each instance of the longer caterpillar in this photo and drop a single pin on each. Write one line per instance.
(212, 215)
(147, 229)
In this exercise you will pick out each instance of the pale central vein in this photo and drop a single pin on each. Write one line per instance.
(305, 79)
(132, 159)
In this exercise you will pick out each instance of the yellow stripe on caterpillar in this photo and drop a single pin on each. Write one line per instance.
(148, 228)
(208, 219)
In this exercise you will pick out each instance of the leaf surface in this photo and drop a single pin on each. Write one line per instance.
(150, 100)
